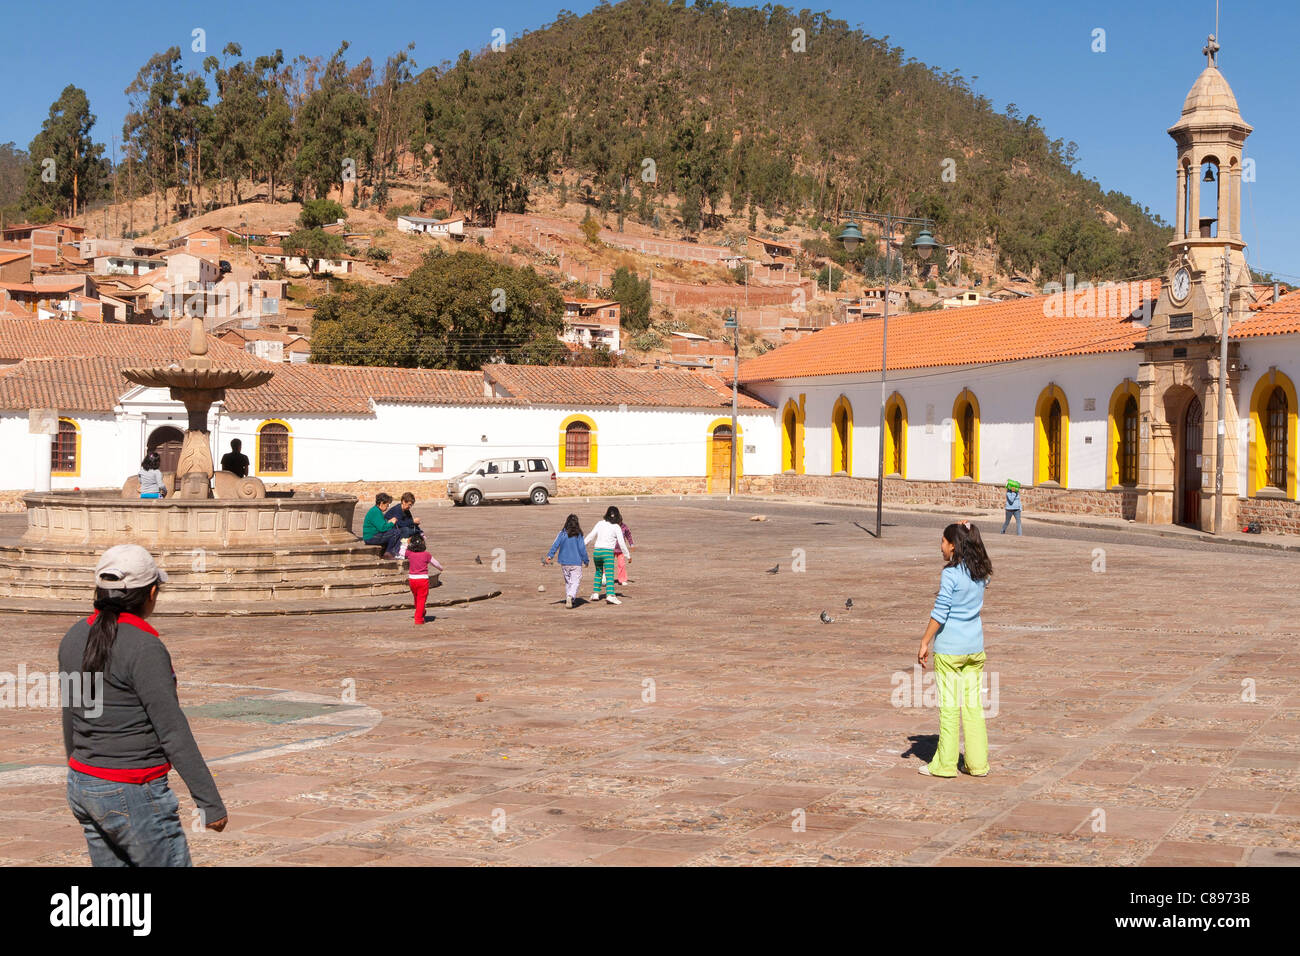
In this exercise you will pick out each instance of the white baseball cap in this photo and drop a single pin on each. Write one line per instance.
(126, 566)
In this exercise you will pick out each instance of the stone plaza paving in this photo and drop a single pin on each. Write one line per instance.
(1144, 698)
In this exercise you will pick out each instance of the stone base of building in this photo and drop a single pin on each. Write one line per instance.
(1275, 515)
(959, 495)
(570, 486)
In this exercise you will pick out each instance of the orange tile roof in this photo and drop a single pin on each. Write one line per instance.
(1273, 318)
(7, 257)
(565, 385)
(977, 334)
(350, 389)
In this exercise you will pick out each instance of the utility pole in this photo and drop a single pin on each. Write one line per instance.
(1221, 438)
(733, 323)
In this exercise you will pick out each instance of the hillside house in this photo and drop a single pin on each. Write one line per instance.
(432, 227)
(273, 256)
(592, 322)
(775, 260)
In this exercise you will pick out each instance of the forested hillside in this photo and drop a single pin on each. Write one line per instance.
(689, 116)
(733, 104)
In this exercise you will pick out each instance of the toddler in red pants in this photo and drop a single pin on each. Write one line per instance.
(419, 559)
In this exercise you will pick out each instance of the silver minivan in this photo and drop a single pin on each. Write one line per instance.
(520, 478)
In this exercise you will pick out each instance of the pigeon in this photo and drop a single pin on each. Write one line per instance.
(477, 559)
(848, 605)
(773, 569)
(826, 618)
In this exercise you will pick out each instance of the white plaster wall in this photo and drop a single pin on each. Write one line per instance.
(633, 443)
(1007, 395)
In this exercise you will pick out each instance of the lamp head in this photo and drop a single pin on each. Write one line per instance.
(851, 236)
(925, 244)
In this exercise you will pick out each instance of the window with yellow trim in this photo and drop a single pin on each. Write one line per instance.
(577, 444)
(1272, 455)
(1123, 428)
(65, 450)
(896, 436)
(1052, 437)
(274, 449)
(842, 436)
(965, 436)
(792, 436)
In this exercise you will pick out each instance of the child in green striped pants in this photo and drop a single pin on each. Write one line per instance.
(605, 535)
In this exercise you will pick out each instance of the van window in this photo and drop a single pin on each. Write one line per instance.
(493, 468)
(517, 466)
(537, 464)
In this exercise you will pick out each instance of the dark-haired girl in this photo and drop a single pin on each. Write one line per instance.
(958, 637)
(418, 560)
(151, 477)
(607, 534)
(125, 731)
(572, 550)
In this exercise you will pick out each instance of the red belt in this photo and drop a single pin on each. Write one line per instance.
(121, 774)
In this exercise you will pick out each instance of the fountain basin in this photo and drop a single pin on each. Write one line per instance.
(105, 518)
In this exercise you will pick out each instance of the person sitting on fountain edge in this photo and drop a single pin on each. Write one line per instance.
(407, 523)
(380, 529)
(234, 460)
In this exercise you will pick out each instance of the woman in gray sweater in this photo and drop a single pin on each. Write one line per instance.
(126, 731)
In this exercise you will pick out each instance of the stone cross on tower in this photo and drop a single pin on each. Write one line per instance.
(1211, 51)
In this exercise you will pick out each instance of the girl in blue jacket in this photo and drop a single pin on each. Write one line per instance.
(957, 634)
(572, 549)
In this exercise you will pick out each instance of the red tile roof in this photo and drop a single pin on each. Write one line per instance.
(977, 334)
(1271, 318)
(566, 385)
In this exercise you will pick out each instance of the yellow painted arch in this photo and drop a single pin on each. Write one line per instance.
(738, 438)
(1257, 468)
(792, 435)
(891, 451)
(289, 450)
(1041, 445)
(1118, 399)
(842, 438)
(76, 468)
(563, 444)
(960, 438)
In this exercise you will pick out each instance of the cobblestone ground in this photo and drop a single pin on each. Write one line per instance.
(1144, 706)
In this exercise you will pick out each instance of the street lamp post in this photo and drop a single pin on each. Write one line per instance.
(733, 324)
(924, 245)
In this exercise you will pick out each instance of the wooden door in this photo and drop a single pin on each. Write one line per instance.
(720, 472)
(166, 441)
(1193, 436)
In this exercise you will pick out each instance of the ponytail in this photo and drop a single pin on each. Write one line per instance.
(110, 604)
(968, 549)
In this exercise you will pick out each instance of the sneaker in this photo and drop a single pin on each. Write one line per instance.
(612, 600)
(568, 602)
(594, 597)
(924, 770)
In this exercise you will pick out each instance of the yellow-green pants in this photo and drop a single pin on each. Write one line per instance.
(957, 678)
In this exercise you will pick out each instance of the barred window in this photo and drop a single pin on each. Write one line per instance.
(1054, 442)
(273, 449)
(1128, 444)
(1275, 438)
(63, 449)
(577, 445)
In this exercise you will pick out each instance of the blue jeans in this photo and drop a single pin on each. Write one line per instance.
(390, 539)
(1007, 520)
(128, 824)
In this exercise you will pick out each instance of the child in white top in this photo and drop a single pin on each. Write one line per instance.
(606, 534)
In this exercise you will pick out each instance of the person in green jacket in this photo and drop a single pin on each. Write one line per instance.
(380, 530)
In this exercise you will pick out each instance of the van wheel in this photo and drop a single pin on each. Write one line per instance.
(473, 498)
(539, 496)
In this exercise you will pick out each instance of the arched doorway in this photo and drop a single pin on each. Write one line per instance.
(720, 459)
(167, 441)
(1191, 437)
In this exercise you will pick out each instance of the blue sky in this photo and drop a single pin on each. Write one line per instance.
(1038, 55)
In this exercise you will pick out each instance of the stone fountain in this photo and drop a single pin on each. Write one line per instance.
(196, 384)
(227, 548)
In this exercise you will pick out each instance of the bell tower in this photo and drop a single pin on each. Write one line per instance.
(1178, 377)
